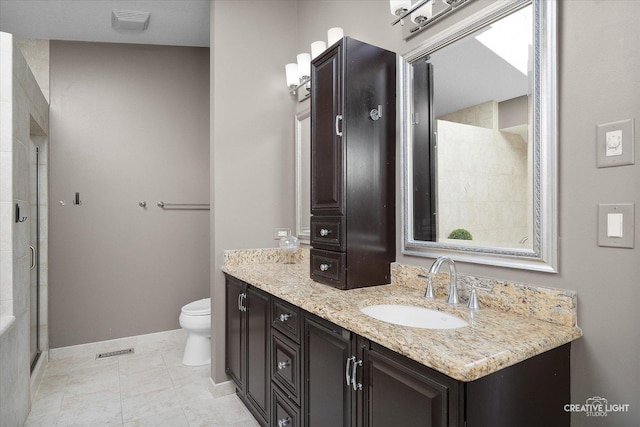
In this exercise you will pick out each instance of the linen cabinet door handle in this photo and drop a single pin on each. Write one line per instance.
(347, 373)
(338, 119)
(354, 382)
(283, 422)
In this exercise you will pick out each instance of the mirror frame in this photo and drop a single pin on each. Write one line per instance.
(544, 253)
(303, 236)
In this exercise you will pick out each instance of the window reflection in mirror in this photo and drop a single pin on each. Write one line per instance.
(472, 161)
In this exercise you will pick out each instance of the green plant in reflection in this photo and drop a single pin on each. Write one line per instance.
(460, 234)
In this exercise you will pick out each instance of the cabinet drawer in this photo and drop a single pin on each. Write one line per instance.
(327, 232)
(284, 414)
(286, 319)
(329, 267)
(285, 365)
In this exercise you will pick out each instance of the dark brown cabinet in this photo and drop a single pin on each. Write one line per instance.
(292, 368)
(286, 364)
(399, 391)
(235, 336)
(248, 327)
(327, 356)
(353, 165)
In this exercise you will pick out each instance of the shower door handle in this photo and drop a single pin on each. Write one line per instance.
(338, 120)
(33, 257)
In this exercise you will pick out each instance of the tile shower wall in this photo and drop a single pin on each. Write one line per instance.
(22, 111)
(490, 201)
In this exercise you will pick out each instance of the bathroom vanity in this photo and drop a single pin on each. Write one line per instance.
(302, 354)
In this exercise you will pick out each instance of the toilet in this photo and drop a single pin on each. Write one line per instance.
(195, 318)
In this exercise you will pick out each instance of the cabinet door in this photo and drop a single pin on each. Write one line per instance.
(327, 398)
(327, 157)
(258, 355)
(400, 392)
(235, 335)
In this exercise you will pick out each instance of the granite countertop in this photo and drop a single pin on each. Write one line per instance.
(494, 339)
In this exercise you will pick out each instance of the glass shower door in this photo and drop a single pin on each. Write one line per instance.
(34, 232)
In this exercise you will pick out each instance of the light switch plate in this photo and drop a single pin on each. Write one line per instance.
(627, 210)
(615, 144)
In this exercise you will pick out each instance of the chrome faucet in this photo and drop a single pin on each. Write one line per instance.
(453, 292)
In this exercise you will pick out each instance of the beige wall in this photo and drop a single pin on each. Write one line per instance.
(23, 109)
(252, 117)
(129, 123)
(591, 91)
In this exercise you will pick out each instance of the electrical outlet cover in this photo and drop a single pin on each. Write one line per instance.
(279, 233)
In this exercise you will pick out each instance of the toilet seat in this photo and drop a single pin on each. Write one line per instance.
(202, 307)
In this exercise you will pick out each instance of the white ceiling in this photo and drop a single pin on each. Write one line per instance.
(172, 22)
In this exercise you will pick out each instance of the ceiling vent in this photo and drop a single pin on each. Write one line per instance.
(129, 19)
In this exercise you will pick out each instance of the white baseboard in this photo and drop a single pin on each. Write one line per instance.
(148, 343)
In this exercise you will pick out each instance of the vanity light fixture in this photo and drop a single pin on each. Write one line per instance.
(291, 71)
(422, 13)
(299, 74)
(399, 7)
(334, 34)
(304, 66)
(317, 48)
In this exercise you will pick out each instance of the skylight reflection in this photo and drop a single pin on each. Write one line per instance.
(511, 38)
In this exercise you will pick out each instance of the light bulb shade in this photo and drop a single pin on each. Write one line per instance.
(398, 7)
(423, 13)
(317, 48)
(334, 34)
(291, 71)
(304, 65)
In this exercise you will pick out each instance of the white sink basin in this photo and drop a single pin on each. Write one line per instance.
(417, 317)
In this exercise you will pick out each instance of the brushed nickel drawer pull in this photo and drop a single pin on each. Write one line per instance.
(347, 374)
(284, 364)
(325, 232)
(284, 317)
(283, 422)
(354, 382)
(325, 267)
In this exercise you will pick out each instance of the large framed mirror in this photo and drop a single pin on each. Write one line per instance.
(479, 139)
(303, 175)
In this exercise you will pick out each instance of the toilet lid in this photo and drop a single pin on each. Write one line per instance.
(198, 308)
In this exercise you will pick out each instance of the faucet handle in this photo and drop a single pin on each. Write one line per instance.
(428, 293)
(473, 303)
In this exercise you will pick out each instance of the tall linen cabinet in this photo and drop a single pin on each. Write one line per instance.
(353, 132)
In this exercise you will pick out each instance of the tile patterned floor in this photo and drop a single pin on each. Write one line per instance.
(152, 389)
